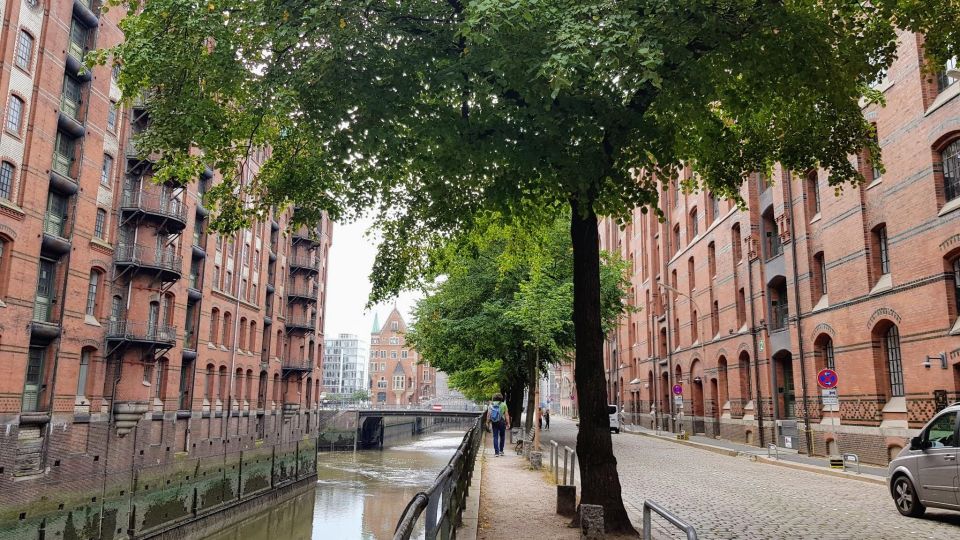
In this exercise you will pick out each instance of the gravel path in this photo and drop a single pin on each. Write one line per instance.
(517, 503)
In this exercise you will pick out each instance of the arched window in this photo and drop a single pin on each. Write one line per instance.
(6, 180)
(6, 247)
(279, 351)
(214, 325)
(99, 226)
(881, 251)
(208, 383)
(723, 392)
(251, 346)
(14, 115)
(249, 394)
(227, 328)
(694, 225)
(891, 351)
(93, 296)
(23, 55)
(954, 270)
(242, 336)
(238, 385)
(86, 356)
(276, 387)
(692, 274)
(694, 327)
(735, 243)
(813, 193)
(676, 238)
(222, 385)
(746, 389)
(950, 156)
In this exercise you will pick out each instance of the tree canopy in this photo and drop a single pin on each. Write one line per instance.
(437, 112)
(500, 291)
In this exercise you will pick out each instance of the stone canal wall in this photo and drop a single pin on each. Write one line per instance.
(169, 470)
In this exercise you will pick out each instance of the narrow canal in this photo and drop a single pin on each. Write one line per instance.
(358, 496)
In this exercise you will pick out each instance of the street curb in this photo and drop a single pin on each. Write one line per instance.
(871, 479)
(708, 447)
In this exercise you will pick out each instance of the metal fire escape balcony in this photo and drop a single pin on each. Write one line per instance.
(303, 293)
(290, 365)
(294, 323)
(307, 263)
(162, 263)
(169, 213)
(157, 338)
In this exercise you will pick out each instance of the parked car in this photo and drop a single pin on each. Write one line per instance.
(926, 473)
(614, 418)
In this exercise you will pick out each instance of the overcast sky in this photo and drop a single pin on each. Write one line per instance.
(348, 283)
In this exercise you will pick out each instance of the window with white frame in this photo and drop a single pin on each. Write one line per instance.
(23, 56)
(398, 381)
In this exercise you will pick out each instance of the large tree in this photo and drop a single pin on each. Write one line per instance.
(434, 111)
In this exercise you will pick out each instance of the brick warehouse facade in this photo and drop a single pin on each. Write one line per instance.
(397, 375)
(151, 374)
(737, 303)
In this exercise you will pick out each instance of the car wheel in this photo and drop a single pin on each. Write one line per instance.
(905, 497)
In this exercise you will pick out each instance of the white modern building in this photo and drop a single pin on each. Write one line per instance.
(345, 364)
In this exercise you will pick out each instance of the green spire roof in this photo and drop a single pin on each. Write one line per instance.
(376, 324)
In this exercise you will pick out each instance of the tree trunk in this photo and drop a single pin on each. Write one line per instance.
(598, 466)
(531, 384)
(514, 398)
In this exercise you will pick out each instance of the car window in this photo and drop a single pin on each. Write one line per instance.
(940, 433)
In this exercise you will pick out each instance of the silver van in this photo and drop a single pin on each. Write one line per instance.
(926, 473)
(614, 418)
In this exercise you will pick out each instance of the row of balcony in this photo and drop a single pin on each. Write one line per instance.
(160, 206)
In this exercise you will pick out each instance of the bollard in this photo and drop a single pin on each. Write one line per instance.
(536, 460)
(567, 500)
(555, 461)
(591, 522)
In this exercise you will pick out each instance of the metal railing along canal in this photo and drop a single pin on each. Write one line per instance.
(443, 502)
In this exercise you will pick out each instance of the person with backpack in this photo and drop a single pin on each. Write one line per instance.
(498, 418)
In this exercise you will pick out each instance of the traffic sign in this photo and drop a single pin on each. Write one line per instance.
(437, 407)
(678, 402)
(827, 378)
(830, 397)
(678, 389)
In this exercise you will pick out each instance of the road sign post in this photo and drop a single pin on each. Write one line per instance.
(828, 380)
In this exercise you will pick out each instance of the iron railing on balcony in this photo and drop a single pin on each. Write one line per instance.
(295, 322)
(62, 164)
(43, 311)
(303, 291)
(162, 258)
(142, 332)
(70, 105)
(304, 261)
(54, 225)
(154, 203)
(779, 314)
(301, 364)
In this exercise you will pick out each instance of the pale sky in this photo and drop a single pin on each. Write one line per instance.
(348, 283)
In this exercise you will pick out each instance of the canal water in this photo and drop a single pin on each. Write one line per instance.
(358, 496)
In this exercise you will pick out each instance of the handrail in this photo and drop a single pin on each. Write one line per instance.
(444, 500)
(649, 505)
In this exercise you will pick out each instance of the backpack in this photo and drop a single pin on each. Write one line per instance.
(496, 413)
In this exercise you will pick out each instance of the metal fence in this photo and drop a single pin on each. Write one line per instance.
(444, 500)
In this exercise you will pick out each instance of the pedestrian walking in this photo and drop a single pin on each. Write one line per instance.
(498, 419)
(540, 418)
(546, 418)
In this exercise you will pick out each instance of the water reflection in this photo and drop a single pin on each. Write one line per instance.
(359, 496)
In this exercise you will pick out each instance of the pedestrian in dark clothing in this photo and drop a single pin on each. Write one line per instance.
(546, 417)
(498, 419)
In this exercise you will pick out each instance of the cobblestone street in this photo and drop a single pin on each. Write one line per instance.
(733, 497)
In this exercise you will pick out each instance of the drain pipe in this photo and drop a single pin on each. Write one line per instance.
(807, 431)
(106, 456)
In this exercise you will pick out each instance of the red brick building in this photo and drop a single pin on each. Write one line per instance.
(743, 308)
(396, 375)
(128, 335)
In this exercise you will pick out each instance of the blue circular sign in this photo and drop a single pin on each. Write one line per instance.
(827, 378)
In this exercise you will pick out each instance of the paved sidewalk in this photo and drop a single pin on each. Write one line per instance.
(517, 503)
